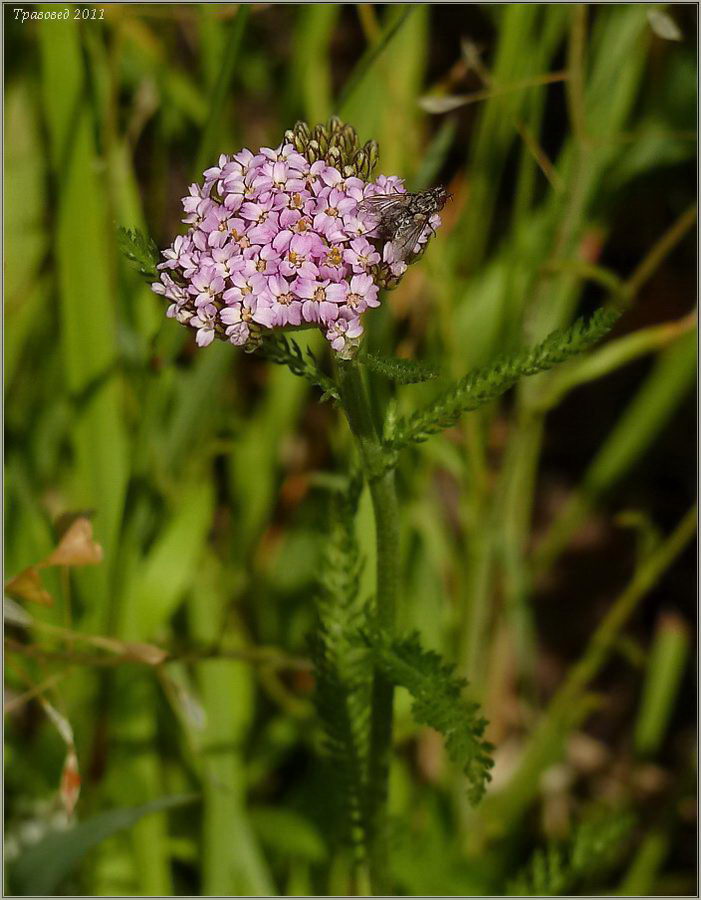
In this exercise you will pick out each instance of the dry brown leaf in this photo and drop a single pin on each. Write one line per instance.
(27, 586)
(69, 789)
(76, 547)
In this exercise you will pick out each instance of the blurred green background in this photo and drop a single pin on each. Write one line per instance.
(566, 134)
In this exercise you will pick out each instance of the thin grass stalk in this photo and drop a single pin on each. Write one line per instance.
(568, 705)
(486, 506)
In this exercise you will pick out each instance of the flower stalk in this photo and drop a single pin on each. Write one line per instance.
(354, 401)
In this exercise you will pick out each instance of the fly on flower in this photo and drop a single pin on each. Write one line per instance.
(403, 217)
(275, 240)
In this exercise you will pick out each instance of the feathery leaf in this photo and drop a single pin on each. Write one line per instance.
(342, 674)
(590, 853)
(286, 351)
(438, 702)
(403, 371)
(140, 250)
(482, 385)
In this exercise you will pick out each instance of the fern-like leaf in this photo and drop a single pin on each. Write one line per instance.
(342, 674)
(286, 351)
(140, 250)
(402, 371)
(438, 702)
(593, 849)
(485, 384)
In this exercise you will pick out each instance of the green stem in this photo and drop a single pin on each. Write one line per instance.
(355, 403)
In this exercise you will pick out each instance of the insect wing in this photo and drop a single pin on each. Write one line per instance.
(406, 238)
(382, 206)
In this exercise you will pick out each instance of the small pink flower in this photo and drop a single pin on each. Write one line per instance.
(253, 308)
(389, 255)
(199, 212)
(206, 285)
(204, 322)
(361, 254)
(317, 306)
(361, 294)
(247, 160)
(177, 255)
(195, 196)
(297, 252)
(264, 232)
(263, 260)
(331, 265)
(286, 153)
(350, 185)
(243, 286)
(227, 260)
(167, 288)
(285, 305)
(216, 225)
(343, 336)
(283, 176)
(215, 172)
(386, 184)
(331, 207)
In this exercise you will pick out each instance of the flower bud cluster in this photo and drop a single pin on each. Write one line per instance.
(276, 241)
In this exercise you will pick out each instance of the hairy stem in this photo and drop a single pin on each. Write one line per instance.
(384, 501)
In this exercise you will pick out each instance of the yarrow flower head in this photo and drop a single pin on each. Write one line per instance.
(282, 239)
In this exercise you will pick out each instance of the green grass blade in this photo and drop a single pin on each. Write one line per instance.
(207, 152)
(311, 69)
(41, 869)
(170, 568)
(232, 861)
(397, 20)
(638, 426)
(665, 669)
(88, 333)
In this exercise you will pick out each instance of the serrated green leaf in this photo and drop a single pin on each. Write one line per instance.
(438, 702)
(286, 351)
(342, 681)
(558, 870)
(485, 384)
(403, 371)
(140, 250)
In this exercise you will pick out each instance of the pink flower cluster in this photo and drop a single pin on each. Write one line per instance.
(275, 242)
